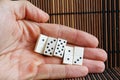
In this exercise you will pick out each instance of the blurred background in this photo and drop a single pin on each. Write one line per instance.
(98, 17)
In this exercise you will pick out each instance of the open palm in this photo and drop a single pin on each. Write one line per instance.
(20, 25)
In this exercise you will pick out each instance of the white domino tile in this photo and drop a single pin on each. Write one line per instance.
(50, 46)
(78, 55)
(68, 55)
(60, 48)
(40, 45)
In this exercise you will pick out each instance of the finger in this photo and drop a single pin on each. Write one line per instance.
(95, 54)
(25, 10)
(94, 66)
(73, 36)
(89, 53)
(50, 71)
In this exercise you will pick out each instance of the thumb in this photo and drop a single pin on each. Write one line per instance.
(26, 10)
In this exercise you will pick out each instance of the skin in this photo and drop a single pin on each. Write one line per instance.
(20, 25)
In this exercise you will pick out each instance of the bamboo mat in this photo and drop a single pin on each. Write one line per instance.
(98, 17)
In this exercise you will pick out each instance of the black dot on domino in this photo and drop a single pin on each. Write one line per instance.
(56, 53)
(80, 57)
(54, 40)
(68, 59)
(50, 53)
(61, 43)
(77, 59)
(52, 48)
(59, 51)
(47, 46)
(51, 42)
(59, 40)
(64, 42)
(75, 62)
(48, 49)
(68, 50)
(62, 49)
(48, 43)
(43, 40)
(61, 54)
(45, 51)
(63, 46)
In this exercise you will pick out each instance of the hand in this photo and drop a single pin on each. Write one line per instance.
(20, 25)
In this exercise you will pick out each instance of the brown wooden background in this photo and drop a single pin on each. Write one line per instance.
(98, 17)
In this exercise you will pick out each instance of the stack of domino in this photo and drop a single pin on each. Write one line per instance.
(50, 46)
